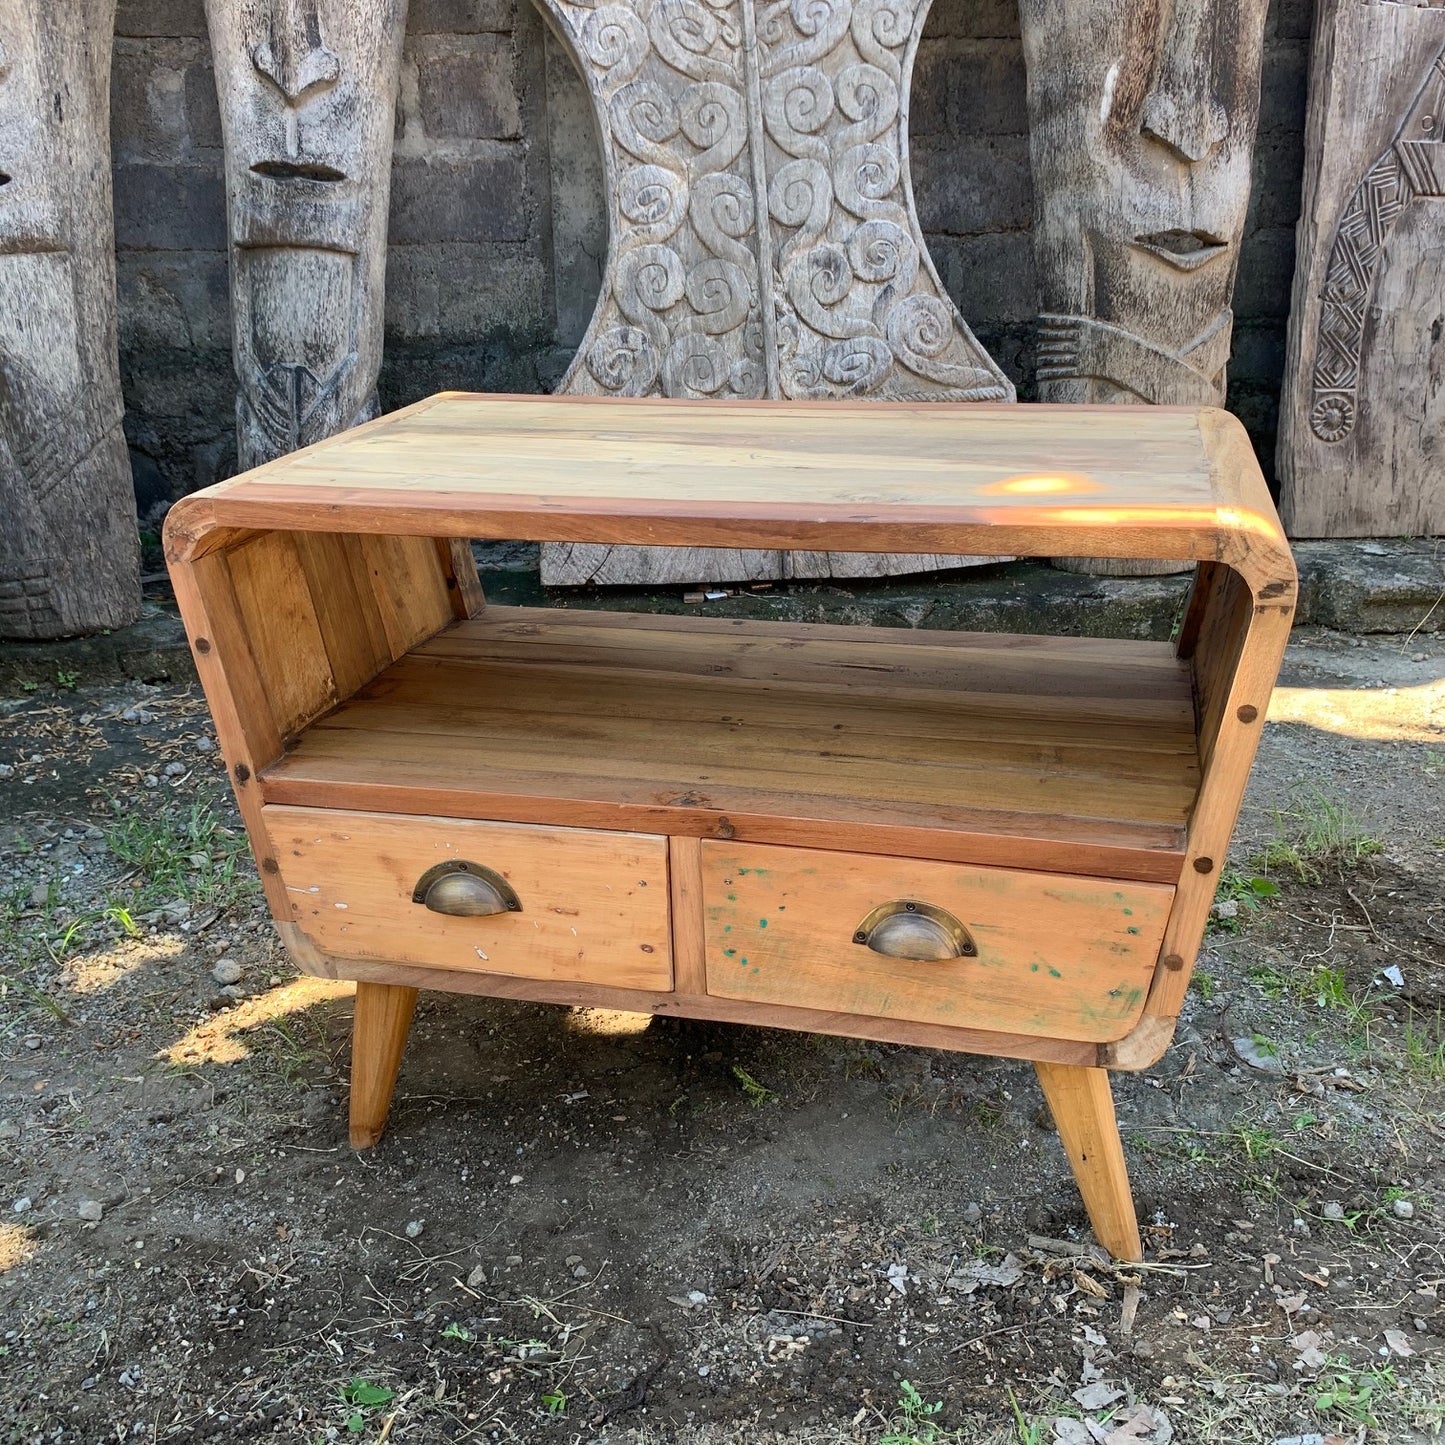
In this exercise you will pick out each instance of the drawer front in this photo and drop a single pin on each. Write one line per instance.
(1043, 954)
(593, 906)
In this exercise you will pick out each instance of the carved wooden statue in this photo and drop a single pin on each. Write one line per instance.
(1142, 125)
(1362, 417)
(69, 551)
(308, 100)
(763, 235)
(1142, 121)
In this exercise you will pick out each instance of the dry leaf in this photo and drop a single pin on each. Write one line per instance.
(1399, 1343)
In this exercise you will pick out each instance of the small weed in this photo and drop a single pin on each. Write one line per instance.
(191, 856)
(1318, 834)
(913, 1421)
(1342, 1391)
(68, 681)
(1244, 891)
(363, 1397)
(1256, 1142)
(454, 1331)
(554, 1402)
(758, 1094)
(1425, 1047)
(1028, 1434)
(1206, 984)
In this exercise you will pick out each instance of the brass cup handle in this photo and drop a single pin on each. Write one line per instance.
(465, 890)
(918, 931)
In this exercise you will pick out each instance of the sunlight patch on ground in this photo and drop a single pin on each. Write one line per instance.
(1386, 714)
(90, 973)
(607, 1021)
(17, 1244)
(217, 1040)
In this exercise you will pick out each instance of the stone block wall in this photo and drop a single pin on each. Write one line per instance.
(498, 232)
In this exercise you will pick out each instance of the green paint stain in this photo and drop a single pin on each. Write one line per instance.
(757, 970)
(727, 928)
(1033, 968)
(730, 953)
(762, 923)
(1131, 929)
(732, 897)
(1128, 913)
(1054, 973)
(742, 962)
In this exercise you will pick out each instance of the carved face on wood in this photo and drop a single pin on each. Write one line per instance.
(1143, 118)
(64, 468)
(307, 91)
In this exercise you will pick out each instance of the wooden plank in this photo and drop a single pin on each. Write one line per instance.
(246, 726)
(1082, 1103)
(410, 588)
(1106, 848)
(594, 906)
(334, 567)
(694, 1006)
(1363, 413)
(1059, 957)
(459, 570)
(950, 479)
(279, 617)
(684, 864)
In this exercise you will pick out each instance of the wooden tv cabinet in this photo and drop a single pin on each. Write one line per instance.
(1003, 845)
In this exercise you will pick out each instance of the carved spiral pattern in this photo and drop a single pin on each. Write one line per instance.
(849, 304)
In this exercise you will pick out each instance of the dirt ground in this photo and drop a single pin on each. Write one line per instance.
(582, 1226)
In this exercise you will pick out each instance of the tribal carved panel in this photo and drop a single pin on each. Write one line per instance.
(308, 94)
(1413, 167)
(764, 241)
(1142, 129)
(1362, 414)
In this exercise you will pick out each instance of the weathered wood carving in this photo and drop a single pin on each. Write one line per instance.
(69, 551)
(308, 99)
(1142, 124)
(1362, 418)
(763, 235)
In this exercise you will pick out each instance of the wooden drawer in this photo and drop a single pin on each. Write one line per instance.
(594, 905)
(1054, 955)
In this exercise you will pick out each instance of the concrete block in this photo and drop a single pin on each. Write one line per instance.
(458, 293)
(1373, 586)
(965, 184)
(460, 17)
(991, 278)
(1266, 272)
(203, 113)
(174, 299)
(144, 18)
(1284, 83)
(974, 19)
(466, 87)
(481, 198)
(1277, 182)
(170, 207)
(1258, 352)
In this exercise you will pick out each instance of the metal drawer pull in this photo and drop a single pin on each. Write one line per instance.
(465, 890)
(904, 929)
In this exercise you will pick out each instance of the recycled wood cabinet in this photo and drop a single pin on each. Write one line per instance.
(1001, 845)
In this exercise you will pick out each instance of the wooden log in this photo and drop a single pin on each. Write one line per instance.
(307, 90)
(763, 238)
(1141, 136)
(69, 548)
(1362, 415)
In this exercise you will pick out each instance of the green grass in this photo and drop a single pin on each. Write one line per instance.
(1248, 892)
(190, 857)
(758, 1094)
(1425, 1047)
(1316, 836)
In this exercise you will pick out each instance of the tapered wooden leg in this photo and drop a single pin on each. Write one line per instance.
(1083, 1108)
(383, 1020)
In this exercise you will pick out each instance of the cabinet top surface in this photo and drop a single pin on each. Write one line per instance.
(1146, 481)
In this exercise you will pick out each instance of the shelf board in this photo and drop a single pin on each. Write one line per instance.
(1069, 754)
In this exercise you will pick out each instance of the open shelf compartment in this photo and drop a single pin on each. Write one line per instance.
(1058, 753)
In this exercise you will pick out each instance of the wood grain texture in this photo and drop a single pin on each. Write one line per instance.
(1080, 751)
(69, 553)
(594, 905)
(850, 477)
(1362, 415)
(1082, 1104)
(1057, 956)
(378, 1040)
(679, 1005)
(689, 945)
